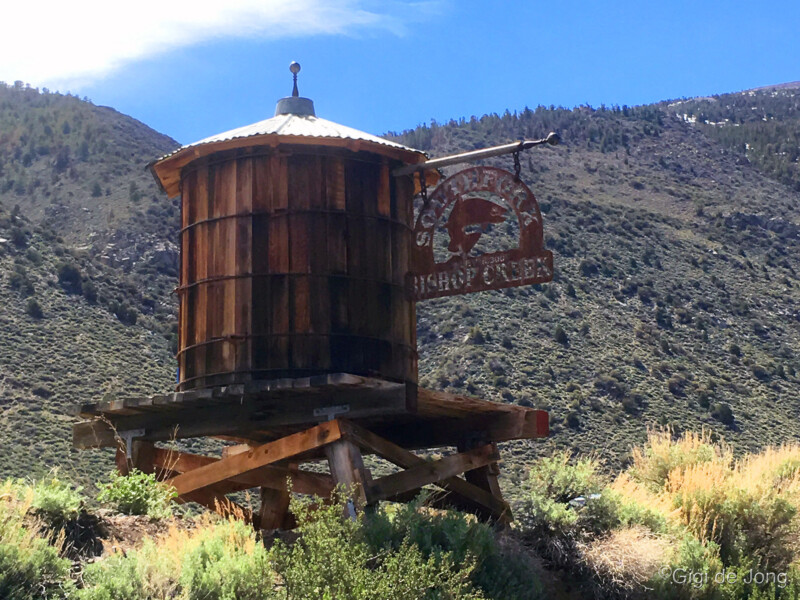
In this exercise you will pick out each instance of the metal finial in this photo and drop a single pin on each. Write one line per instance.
(294, 67)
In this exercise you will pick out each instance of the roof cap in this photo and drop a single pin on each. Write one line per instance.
(294, 104)
(294, 123)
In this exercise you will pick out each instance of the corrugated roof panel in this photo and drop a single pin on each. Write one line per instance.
(297, 125)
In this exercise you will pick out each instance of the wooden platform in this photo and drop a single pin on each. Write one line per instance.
(268, 410)
(284, 423)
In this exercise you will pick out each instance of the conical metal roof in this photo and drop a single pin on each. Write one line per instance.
(294, 123)
(298, 125)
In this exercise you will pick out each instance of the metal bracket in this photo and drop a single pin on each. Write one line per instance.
(331, 412)
(552, 139)
(128, 437)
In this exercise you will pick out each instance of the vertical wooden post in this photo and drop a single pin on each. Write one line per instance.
(274, 506)
(121, 459)
(143, 456)
(483, 477)
(347, 468)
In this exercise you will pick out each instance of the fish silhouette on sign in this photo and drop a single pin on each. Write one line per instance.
(469, 214)
(466, 205)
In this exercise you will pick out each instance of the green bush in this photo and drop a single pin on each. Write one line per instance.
(69, 276)
(663, 454)
(19, 280)
(30, 568)
(217, 560)
(138, 494)
(90, 292)
(115, 578)
(500, 572)
(56, 501)
(548, 520)
(561, 479)
(216, 568)
(723, 413)
(33, 309)
(332, 559)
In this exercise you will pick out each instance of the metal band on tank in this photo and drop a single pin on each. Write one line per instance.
(237, 337)
(302, 211)
(181, 289)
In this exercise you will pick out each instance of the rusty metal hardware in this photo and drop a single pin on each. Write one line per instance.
(465, 205)
(552, 139)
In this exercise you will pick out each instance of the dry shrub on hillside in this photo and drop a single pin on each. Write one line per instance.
(663, 453)
(750, 507)
(30, 567)
(624, 561)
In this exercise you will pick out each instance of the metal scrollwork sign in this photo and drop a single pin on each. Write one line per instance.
(459, 211)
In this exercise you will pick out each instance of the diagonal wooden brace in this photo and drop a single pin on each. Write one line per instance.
(464, 495)
(273, 477)
(391, 486)
(260, 456)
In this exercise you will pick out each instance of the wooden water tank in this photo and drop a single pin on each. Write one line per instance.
(294, 248)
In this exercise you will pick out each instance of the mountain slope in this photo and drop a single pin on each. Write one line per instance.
(675, 298)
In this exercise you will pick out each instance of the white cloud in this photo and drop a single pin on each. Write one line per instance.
(58, 43)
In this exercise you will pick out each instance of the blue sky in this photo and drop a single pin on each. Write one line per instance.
(192, 69)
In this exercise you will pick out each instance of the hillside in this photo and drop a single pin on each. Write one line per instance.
(675, 298)
(86, 237)
(77, 167)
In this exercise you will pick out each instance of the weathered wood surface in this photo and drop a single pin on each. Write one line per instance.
(261, 411)
(318, 387)
(274, 509)
(168, 170)
(293, 264)
(275, 468)
(275, 477)
(261, 456)
(347, 468)
(427, 472)
(461, 493)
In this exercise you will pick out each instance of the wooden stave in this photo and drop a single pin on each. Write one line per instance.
(269, 194)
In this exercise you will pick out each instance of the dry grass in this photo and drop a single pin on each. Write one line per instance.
(749, 507)
(626, 559)
(654, 462)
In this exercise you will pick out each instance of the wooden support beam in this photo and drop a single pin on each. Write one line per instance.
(347, 469)
(426, 473)
(261, 456)
(213, 498)
(234, 410)
(274, 477)
(142, 455)
(499, 426)
(484, 477)
(274, 509)
(461, 494)
(237, 449)
(121, 460)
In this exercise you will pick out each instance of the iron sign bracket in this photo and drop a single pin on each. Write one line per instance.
(552, 139)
